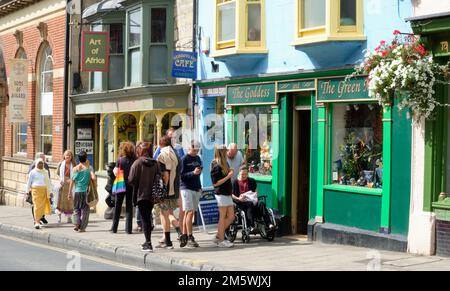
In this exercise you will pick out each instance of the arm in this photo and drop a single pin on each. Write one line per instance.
(235, 194)
(184, 173)
(222, 181)
(30, 179)
(69, 195)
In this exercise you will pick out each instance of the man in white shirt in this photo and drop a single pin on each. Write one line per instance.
(235, 159)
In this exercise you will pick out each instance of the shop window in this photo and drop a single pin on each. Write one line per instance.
(158, 64)
(108, 139)
(20, 129)
(254, 138)
(357, 145)
(329, 20)
(46, 98)
(96, 77)
(239, 27)
(150, 131)
(134, 47)
(116, 78)
(127, 128)
(172, 120)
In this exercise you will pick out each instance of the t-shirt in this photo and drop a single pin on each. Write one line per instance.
(188, 179)
(82, 180)
(217, 175)
(235, 164)
(169, 162)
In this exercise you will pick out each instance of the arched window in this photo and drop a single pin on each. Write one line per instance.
(46, 99)
(20, 129)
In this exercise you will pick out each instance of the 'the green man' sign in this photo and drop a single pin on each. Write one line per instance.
(95, 51)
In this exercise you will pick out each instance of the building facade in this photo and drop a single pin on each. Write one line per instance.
(281, 66)
(135, 98)
(32, 30)
(430, 183)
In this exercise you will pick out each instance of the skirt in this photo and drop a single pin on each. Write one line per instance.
(65, 205)
(41, 202)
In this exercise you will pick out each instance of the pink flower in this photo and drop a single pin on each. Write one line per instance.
(383, 42)
(397, 32)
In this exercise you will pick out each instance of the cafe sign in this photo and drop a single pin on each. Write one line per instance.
(184, 65)
(254, 94)
(95, 50)
(341, 90)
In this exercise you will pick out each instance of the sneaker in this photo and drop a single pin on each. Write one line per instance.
(183, 240)
(164, 245)
(225, 244)
(37, 226)
(76, 228)
(147, 247)
(81, 230)
(192, 243)
(44, 221)
(216, 240)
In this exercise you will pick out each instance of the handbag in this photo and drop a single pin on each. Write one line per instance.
(159, 189)
(92, 198)
(29, 198)
(119, 182)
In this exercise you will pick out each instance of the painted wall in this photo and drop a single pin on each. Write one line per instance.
(426, 7)
(280, 31)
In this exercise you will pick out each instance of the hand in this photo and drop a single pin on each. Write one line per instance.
(197, 171)
(61, 183)
(69, 196)
(230, 173)
(242, 198)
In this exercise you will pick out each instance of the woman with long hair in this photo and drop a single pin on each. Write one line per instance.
(126, 159)
(221, 175)
(142, 174)
(64, 171)
(40, 187)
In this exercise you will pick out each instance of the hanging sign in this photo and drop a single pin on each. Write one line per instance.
(341, 90)
(184, 65)
(95, 50)
(254, 94)
(18, 90)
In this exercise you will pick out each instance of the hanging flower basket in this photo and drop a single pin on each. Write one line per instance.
(403, 69)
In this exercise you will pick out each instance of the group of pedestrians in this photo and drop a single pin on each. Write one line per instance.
(142, 170)
(69, 197)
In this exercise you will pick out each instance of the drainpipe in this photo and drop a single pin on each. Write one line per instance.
(194, 49)
(66, 82)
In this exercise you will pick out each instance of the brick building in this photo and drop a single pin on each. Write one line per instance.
(33, 30)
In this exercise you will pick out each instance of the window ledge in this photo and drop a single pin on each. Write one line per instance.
(261, 178)
(325, 38)
(354, 189)
(236, 51)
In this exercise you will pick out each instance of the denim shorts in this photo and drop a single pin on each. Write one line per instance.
(224, 200)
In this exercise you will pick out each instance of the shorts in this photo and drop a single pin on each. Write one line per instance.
(169, 204)
(224, 200)
(190, 199)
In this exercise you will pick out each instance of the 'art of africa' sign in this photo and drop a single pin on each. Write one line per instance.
(94, 54)
(18, 90)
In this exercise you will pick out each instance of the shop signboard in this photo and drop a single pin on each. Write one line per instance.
(342, 90)
(184, 65)
(208, 211)
(295, 86)
(252, 94)
(95, 50)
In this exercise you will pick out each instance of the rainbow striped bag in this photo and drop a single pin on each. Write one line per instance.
(119, 183)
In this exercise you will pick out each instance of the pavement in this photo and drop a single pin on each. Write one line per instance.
(291, 253)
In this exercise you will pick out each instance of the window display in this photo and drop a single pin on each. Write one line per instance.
(357, 140)
(255, 138)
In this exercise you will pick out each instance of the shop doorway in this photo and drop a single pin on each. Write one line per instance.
(301, 166)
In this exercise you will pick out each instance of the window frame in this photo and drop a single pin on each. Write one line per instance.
(165, 44)
(17, 133)
(333, 30)
(115, 55)
(131, 49)
(240, 44)
(43, 57)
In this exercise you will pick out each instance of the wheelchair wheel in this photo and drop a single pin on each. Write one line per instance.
(245, 237)
(270, 235)
(231, 233)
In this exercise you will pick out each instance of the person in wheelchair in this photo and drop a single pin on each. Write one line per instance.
(244, 192)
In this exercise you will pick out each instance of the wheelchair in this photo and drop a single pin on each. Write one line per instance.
(259, 227)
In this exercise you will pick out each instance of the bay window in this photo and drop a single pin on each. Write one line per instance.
(329, 20)
(239, 27)
(134, 47)
(116, 75)
(159, 63)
